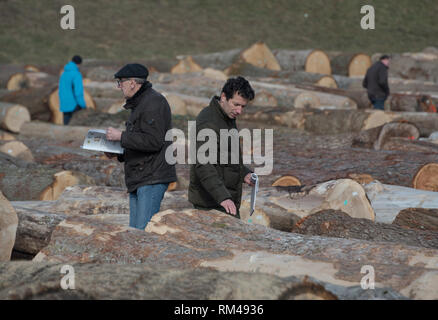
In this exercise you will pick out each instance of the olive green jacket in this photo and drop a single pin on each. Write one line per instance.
(210, 184)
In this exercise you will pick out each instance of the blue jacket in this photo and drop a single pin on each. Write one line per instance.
(71, 90)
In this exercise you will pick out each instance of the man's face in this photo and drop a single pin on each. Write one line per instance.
(127, 86)
(386, 62)
(233, 107)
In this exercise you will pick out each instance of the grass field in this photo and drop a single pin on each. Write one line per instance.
(30, 31)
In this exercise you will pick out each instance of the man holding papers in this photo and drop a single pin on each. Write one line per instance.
(147, 173)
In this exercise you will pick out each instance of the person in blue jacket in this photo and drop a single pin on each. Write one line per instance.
(71, 90)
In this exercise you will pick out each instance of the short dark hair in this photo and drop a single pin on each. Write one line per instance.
(77, 59)
(238, 85)
(385, 56)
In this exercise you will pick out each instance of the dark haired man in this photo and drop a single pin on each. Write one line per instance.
(71, 90)
(147, 173)
(376, 82)
(217, 185)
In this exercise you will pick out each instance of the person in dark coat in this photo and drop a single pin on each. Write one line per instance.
(376, 82)
(147, 173)
(217, 185)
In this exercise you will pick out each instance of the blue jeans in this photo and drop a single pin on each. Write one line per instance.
(144, 203)
(378, 104)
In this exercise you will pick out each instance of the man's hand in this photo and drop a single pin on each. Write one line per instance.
(111, 155)
(229, 206)
(247, 180)
(113, 134)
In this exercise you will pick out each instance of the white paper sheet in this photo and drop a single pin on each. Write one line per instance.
(255, 189)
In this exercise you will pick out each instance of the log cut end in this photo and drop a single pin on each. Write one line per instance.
(17, 149)
(286, 181)
(8, 228)
(264, 99)
(318, 62)
(62, 180)
(306, 100)
(427, 178)
(396, 129)
(261, 56)
(359, 65)
(17, 81)
(13, 116)
(177, 105)
(327, 81)
(186, 65)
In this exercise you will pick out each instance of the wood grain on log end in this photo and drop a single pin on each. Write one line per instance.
(61, 181)
(260, 56)
(12, 116)
(306, 100)
(17, 149)
(186, 65)
(427, 177)
(361, 178)
(286, 181)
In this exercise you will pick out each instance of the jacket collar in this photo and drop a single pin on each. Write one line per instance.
(132, 102)
(214, 103)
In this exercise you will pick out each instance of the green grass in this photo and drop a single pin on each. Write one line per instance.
(30, 31)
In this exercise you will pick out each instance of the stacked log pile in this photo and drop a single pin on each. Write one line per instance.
(349, 186)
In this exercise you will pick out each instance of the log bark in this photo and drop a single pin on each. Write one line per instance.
(418, 219)
(44, 130)
(8, 228)
(315, 61)
(338, 224)
(280, 208)
(40, 80)
(191, 238)
(12, 77)
(13, 116)
(427, 177)
(28, 280)
(109, 105)
(409, 67)
(410, 102)
(34, 99)
(388, 200)
(350, 64)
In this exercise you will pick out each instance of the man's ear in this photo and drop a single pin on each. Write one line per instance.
(223, 97)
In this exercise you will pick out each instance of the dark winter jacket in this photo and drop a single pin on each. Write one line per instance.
(376, 81)
(144, 140)
(210, 184)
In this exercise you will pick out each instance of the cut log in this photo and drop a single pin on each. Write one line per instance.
(408, 145)
(38, 183)
(418, 219)
(388, 200)
(410, 102)
(13, 116)
(56, 114)
(8, 228)
(426, 178)
(264, 99)
(16, 149)
(186, 65)
(410, 67)
(6, 136)
(40, 80)
(258, 55)
(338, 224)
(55, 132)
(28, 280)
(92, 118)
(177, 105)
(281, 207)
(214, 74)
(12, 77)
(350, 64)
(191, 238)
(315, 61)
(286, 181)
(109, 105)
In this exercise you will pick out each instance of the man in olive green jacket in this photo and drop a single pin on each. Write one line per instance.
(219, 185)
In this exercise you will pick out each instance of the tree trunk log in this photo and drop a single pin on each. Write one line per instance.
(16, 149)
(315, 61)
(388, 200)
(53, 132)
(427, 177)
(13, 116)
(418, 219)
(338, 224)
(28, 280)
(8, 228)
(350, 64)
(191, 238)
(12, 77)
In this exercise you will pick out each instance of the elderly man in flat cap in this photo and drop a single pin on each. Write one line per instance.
(147, 173)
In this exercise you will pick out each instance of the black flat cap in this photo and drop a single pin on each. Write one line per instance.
(132, 70)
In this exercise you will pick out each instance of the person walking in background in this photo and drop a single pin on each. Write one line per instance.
(71, 89)
(147, 173)
(376, 82)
